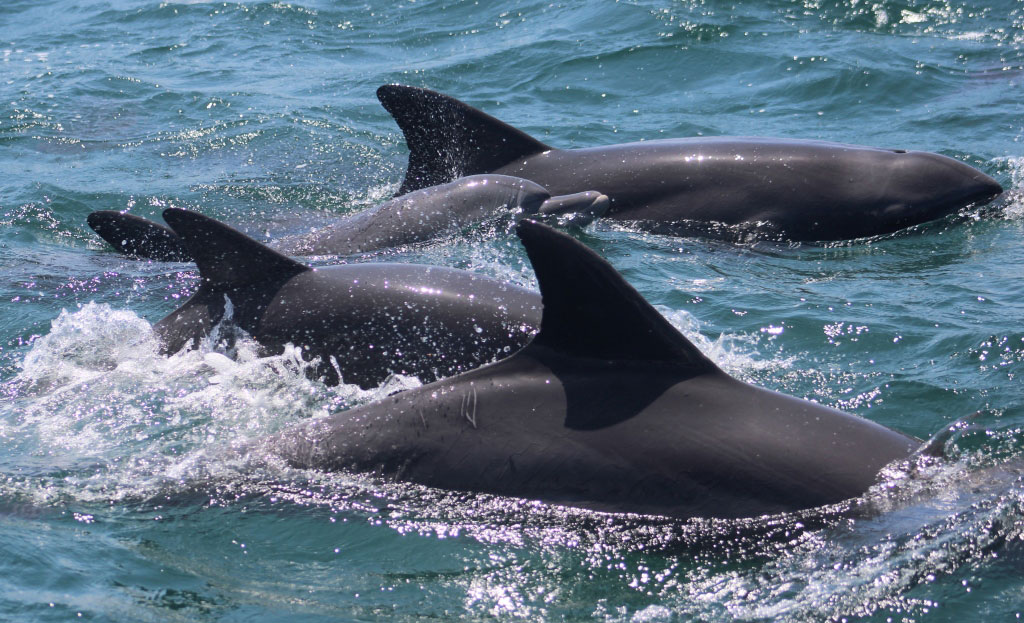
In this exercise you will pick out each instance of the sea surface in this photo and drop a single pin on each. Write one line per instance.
(116, 501)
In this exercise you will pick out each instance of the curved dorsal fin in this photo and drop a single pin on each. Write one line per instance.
(138, 237)
(227, 258)
(449, 139)
(591, 311)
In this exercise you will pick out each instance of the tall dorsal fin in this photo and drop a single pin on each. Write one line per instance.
(449, 139)
(591, 311)
(227, 258)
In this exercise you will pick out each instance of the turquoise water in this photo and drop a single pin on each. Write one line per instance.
(115, 503)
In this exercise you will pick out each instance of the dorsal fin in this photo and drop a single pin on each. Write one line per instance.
(227, 258)
(449, 139)
(591, 311)
(138, 237)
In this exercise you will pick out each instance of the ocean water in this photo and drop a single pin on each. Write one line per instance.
(116, 503)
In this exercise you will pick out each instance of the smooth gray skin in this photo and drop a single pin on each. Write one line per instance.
(364, 321)
(608, 408)
(435, 211)
(729, 187)
(420, 216)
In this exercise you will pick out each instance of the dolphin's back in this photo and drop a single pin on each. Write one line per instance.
(422, 215)
(362, 321)
(727, 187)
(608, 408)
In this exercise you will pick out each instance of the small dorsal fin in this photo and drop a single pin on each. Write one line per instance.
(138, 237)
(227, 258)
(935, 447)
(449, 139)
(591, 311)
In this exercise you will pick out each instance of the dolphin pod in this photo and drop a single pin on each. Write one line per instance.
(607, 408)
(362, 322)
(799, 190)
(419, 216)
(603, 405)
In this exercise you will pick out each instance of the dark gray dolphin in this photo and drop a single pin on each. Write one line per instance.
(363, 321)
(778, 188)
(419, 216)
(609, 408)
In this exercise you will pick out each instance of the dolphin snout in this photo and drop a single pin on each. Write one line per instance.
(577, 209)
(958, 181)
(927, 186)
(984, 189)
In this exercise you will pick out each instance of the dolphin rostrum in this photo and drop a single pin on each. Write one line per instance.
(426, 214)
(362, 321)
(609, 407)
(722, 186)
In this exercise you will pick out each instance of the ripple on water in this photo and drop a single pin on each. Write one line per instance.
(116, 499)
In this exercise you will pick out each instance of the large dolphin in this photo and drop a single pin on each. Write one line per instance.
(778, 188)
(363, 321)
(609, 408)
(422, 215)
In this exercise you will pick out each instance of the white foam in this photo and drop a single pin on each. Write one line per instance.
(376, 195)
(97, 399)
(736, 353)
(84, 344)
(1014, 196)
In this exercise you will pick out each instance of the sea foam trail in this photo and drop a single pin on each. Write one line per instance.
(96, 397)
(113, 420)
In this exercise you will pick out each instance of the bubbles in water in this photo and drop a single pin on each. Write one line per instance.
(113, 418)
(734, 353)
(84, 344)
(1014, 196)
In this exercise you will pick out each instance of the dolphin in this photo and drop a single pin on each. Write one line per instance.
(419, 216)
(609, 408)
(800, 190)
(362, 322)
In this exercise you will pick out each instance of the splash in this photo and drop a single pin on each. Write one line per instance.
(114, 421)
(1014, 196)
(84, 344)
(102, 415)
(734, 353)
(105, 416)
